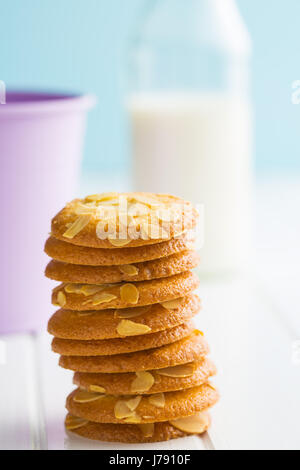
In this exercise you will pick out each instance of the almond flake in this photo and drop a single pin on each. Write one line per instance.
(73, 288)
(172, 304)
(147, 200)
(130, 328)
(196, 424)
(101, 197)
(73, 422)
(129, 269)
(84, 314)
(198, 333)
(147, 429)
(137, 210)
(81, 209)
(182, 370)
(83, 396)
(133, 419)
(91, 289)
(119, 243)
(61, 299)
(180, 233)
(133, 403)
(211, 386)
(129, 294)
(97, 388)
(77, 226)
(142, 383)
(121, 410)
(131, 312)
(158, 399)
(103, 298)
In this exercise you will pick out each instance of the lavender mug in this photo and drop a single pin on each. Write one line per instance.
(41, 141)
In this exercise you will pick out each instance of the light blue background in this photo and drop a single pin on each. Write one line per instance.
(81, 44)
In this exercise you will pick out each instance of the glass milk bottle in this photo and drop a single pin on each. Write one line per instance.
(190, 118)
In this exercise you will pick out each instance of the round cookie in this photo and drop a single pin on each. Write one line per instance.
(121, 384)
(189, 349)
(141, 218)
(103, 324)
(124, 295)
(145, 271)
(128, 433)
(110, 347)
(75, 254)
(141, 409)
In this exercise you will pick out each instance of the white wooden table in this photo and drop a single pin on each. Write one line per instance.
(252, 324)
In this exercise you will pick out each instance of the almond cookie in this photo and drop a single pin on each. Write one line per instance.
(104, 324)
(137, 433)
(156, 269)
(158, 407)
(75, 254)
(123, 295)
(148, 382)
(123, 219)
(189, 349)
(109, 347)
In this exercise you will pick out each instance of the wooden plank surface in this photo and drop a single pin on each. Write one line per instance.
(21, 408)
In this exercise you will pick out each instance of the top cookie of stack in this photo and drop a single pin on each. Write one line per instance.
(124, 262)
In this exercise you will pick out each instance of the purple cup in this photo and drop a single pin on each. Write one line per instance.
(41, 141)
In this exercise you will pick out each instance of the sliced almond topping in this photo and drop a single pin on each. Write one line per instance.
(147, 200)
(182, 370)
(97, 388)
(211, 386)
(133, 403)
(77, 226)
(129, 269)
(82, 396)
(81, 208)
(110, 203)
(131, 312)
(129, 294)
(129, 328)
(179, 233)
(121, 410)
(195, 424)
(102, 197)
(119, 243)
(158, 399)
(147, 429)
(73, 288)
(172, 304)
(102, 298)
(73, 422)
(133, 419)
(61, 299)
(84, 314)
(137, 209)
(165, 215)
(142, 383)
(198, 333)
(91, 289)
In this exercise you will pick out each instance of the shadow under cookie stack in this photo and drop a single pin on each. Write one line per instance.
(125, 323)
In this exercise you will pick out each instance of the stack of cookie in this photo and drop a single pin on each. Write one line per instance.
(125, 320)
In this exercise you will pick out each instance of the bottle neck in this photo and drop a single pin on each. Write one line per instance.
(191, 45)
